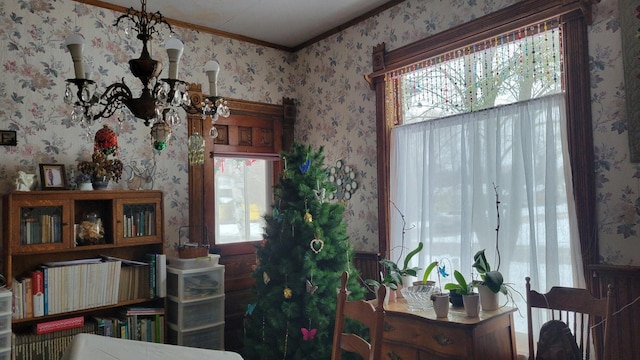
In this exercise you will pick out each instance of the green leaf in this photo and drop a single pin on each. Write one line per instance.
(493, 280)
(428, 271)
(480, 262)
(411, 255)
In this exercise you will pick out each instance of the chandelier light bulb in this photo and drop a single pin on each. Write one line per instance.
(75, 44)
(175, 48)
(212, 68)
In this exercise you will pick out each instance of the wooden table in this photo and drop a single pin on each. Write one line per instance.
(419, 335)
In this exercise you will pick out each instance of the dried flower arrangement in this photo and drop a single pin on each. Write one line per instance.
(101, 167)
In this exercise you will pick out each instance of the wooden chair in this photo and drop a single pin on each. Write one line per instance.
(585, 315)
(365, 313)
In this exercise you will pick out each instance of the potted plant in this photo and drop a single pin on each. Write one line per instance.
(491, 283)
(470, 299)
(400, 275)
(101, 168)
(84, 181)
(392, 277)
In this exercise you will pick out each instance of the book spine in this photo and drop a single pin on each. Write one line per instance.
(45, 298)
(38, 293)
(28, 297)
(152, 274)
(57, 325)
(161, 275)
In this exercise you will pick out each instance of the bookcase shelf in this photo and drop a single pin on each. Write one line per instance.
(47, 226)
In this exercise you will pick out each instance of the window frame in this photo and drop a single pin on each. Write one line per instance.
(243, 135)
(574, 15)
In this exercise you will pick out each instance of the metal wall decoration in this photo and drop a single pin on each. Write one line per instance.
(344, 178)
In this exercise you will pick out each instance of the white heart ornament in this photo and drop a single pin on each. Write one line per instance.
(316, 245)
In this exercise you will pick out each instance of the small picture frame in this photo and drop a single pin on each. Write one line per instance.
(8, 138)
(53, 177)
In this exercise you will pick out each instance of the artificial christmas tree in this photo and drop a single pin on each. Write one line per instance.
(300, 261)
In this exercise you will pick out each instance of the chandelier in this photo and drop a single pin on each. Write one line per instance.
(159, 99)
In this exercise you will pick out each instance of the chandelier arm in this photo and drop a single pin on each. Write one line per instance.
(113, 99)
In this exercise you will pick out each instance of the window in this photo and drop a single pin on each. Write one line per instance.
(578, 146)
(242, 196)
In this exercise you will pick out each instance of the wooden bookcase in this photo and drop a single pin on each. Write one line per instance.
(40, 227)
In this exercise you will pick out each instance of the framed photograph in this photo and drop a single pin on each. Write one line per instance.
(53, 177)
(8, 138)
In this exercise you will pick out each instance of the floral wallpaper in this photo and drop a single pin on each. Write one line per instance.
(336, 107)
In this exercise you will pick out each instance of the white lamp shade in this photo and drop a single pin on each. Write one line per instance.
(74, 39)
(211, 65)
(174, 47)
(211, 69)
(75, 44)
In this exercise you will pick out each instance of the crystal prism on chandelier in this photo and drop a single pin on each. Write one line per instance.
(159, 99)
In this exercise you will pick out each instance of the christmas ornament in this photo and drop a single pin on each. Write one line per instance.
(311, 288)
(304, 167)
(320, 194)
(106, 141)
(265, 278)
(250, 308)
(160, 133)
(308, 334)
(287, 293)
(277, 215)
(316, 245)
(308, 217)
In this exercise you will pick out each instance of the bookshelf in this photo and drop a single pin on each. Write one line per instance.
(41, 227)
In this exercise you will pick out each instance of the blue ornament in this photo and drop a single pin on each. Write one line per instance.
(304, 167)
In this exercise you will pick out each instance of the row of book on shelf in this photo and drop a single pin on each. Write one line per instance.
(41, 229)
(140, 223)
(60, 287)
(49, 339)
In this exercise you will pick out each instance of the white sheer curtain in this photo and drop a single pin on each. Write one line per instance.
(442, 181)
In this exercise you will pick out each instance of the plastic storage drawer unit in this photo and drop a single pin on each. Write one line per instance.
(188, 315)
(211, 337)
(195, 283)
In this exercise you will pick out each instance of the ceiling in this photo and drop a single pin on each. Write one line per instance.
(286, 24)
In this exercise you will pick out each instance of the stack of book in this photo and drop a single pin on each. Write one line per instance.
(49, 339)
(134, 323)
(60, 287)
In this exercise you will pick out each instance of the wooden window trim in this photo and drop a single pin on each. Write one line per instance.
(279, 119)
(575, 15)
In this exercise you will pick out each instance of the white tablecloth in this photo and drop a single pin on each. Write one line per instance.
(96, 347)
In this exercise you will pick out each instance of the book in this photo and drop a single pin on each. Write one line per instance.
(57, 325)
(151, 258)
(37, 279)
(16, 289)
(27, 295)
(161, 275)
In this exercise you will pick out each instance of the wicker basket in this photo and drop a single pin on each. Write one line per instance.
(191, 252)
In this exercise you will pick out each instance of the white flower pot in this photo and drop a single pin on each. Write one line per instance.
(488, 299)
(471, 304)
(85, 186)
(441, 305)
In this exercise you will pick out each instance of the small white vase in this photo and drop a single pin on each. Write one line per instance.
(441, 305)
(85, 186)
(488, 299)
(471, 304)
